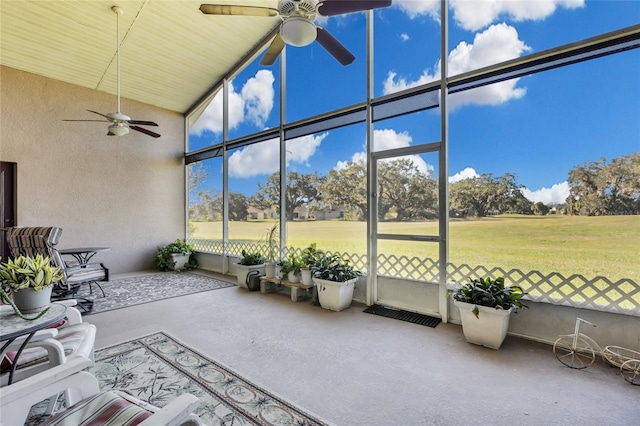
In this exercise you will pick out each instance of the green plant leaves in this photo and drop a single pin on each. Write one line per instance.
(24, 272)
(491, 293)
(164, 260)
(333, 268)
(253, 258)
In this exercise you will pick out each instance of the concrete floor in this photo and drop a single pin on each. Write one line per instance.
(352, 368)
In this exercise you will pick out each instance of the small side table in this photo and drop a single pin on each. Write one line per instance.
(12, 327)
(83, 254)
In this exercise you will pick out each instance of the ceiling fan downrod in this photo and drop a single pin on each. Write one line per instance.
(118, 128)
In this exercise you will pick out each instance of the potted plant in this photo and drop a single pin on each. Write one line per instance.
(335, 280)
(250, 261)
(272, 239)
(291, 267)
(485, 307)
(175, 256)
(310, 257)
(278, 268)
(30, 281)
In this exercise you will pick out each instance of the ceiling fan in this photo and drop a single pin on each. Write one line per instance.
(120, 123)
(298, 27)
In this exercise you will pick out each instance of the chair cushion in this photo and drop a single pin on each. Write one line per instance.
(105, 408)
(75, 339)
(90, 273)
(30, 241)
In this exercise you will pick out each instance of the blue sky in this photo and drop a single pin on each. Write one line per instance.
(538, 127)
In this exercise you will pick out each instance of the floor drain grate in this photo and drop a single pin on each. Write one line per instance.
(401, 315)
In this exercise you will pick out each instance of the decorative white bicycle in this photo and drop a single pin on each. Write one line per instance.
(578, 350)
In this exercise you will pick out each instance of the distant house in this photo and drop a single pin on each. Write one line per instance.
(301, 212)
(330, 213)
(254, 213)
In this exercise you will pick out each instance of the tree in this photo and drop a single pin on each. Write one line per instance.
(205, 204)
(540, 208)
(586, 189)
(622, 178)
(301, 189)
(479, 195)
(197, 174)
(598, 188)
(347, 187)
(403, 188)
(237, 206)
(209, 208)
(474, 195)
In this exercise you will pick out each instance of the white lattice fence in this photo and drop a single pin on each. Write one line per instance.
(358, 261)
(207, 246)
(414, 268)
(599, 293)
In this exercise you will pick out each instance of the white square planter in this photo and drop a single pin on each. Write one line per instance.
(489, 329)
(179, 260)
(243, 270)
(335, 295)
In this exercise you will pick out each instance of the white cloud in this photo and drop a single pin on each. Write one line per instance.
(404, 37)
(384, 139)
(466, 173)
(497, 43)
(415, 8)
(299, 150)
(258, 95)
(257, 159)
(557, 194)
(475, 14)
(264, 158)
(252, 104)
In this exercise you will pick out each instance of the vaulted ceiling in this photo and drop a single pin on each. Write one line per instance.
(171, 53)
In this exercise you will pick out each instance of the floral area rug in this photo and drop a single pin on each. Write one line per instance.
(147, 288)
(157, 368)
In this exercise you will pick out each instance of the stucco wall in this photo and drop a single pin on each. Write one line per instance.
(126, 192)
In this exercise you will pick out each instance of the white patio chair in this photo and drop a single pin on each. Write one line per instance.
(50, 347)
(89, 404)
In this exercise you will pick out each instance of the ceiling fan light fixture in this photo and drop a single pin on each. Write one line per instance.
(118, 129)
(298, 31)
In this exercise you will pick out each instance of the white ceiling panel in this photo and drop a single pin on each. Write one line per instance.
(171, 53)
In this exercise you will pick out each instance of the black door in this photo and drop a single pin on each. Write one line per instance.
(8, 194)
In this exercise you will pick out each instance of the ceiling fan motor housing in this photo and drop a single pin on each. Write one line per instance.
(118, 116)
(297, 27)
(306, 8)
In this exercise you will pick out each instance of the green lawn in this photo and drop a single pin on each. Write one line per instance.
(606, 246)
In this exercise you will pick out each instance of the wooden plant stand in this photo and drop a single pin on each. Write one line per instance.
(299, 291)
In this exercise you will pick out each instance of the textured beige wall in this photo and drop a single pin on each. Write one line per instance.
(126, 192)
